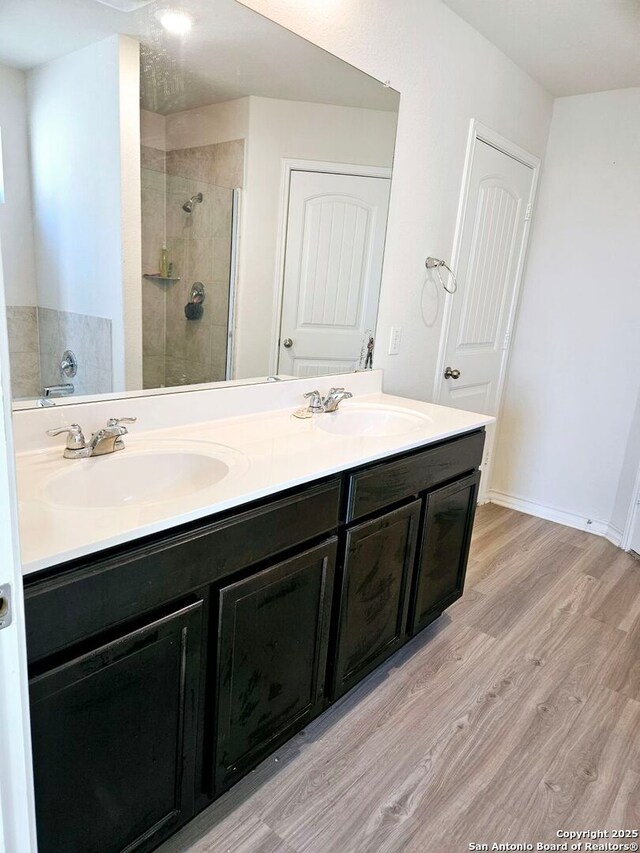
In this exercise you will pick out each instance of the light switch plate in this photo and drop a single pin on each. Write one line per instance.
(394, 340)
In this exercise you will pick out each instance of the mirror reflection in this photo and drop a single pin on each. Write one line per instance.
(188, 196)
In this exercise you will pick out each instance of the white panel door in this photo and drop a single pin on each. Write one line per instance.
(488, 268)
(333, 263)
(17, 808)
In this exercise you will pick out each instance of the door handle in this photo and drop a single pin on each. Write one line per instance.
(451, 373)
(287, 342)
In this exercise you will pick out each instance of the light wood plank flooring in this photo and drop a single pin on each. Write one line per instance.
(514, 715)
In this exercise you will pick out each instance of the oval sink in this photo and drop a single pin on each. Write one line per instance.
(371, 422)
(133, 477)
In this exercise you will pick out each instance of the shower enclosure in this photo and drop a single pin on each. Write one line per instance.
(187, 212)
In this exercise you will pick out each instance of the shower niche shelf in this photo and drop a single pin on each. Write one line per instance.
(153, 277)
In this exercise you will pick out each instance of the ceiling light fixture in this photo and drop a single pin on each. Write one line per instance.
(175, 21)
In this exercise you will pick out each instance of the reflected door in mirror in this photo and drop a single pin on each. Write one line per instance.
(333, 263)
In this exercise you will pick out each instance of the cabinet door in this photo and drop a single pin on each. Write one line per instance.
(446, 535)
(114, 740)
(378, 567)
(272, 652)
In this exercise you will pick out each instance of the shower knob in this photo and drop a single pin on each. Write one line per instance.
(68, 364)
(287, 342)
(451, 373)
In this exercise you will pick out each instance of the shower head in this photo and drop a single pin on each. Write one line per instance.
(195, 199)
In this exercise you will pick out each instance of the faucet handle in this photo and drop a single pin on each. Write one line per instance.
(315, 401)
(117, 421)
(335, 391)
(75, 437)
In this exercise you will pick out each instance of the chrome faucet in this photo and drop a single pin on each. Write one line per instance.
(318, 405)
(109, 438)
(334, 398)
(104, 441)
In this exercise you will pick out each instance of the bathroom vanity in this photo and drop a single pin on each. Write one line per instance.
(166, 667)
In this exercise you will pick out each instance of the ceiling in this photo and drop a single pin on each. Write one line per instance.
(571, 47)
(230, 52)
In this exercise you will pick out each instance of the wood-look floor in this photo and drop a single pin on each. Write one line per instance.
(514, 715)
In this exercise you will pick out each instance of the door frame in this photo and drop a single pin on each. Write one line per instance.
(633, 515)
(17, 807)
(287, 167)
(480, 132)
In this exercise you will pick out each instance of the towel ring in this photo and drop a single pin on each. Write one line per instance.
(436, 264)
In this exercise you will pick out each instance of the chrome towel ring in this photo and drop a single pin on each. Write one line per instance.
(436, 264)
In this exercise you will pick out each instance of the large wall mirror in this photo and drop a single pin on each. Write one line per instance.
(189, 195)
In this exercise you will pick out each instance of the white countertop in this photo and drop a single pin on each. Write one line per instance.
(268, 452)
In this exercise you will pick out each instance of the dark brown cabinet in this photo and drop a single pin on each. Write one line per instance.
(273, 630)
(377, 487)
(114, 739)
(372, 618)
(446, 534)
(164, 670)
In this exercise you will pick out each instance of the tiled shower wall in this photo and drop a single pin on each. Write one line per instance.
(39, 336)
(89, 338)
(153, 293)
(177, 351)
(24, 351)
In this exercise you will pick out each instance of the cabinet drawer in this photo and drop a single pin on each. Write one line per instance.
(389, 482)
(98, 595)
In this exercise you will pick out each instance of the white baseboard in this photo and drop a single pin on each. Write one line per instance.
(560, 516)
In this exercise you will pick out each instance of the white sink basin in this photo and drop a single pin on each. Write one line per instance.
(135, 477)
(371, 421)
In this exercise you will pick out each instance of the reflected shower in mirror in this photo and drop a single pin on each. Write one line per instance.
(189, 236)
(186, 207)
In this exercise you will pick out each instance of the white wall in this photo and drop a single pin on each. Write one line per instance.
(446, 73)
(153, 130)
(130, 210)
(570, 433)
(208, 125)
(85, 153)
(16, 214)
(289, 129)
